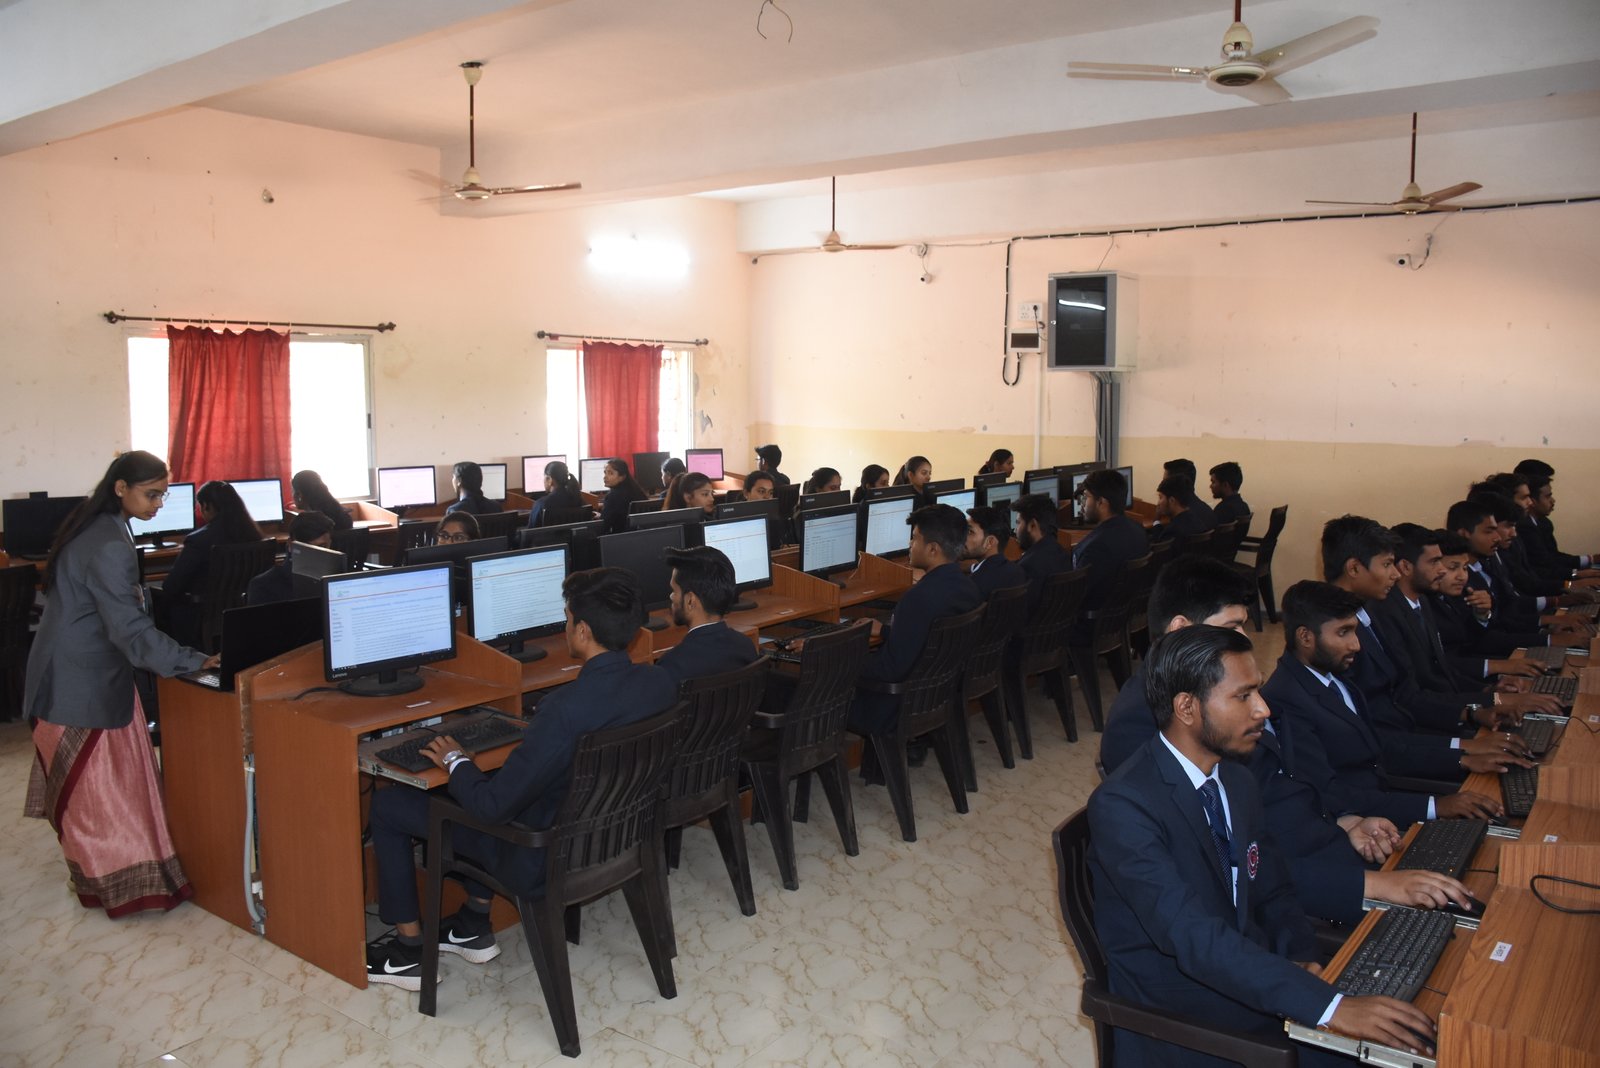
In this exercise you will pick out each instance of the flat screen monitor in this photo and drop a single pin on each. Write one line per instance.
(961, 499)
(1127, 474)
(406, 487)
(706, 461)
(455, 552)
(254, 634)
(744, 542)
(643, 552)
(315, 562)
(262, 497)
(31, 523)
(1003, 495)
(176, 515)
(1077, 487)
(827, 539)
(767, 510)
(515, 596)
(812, 501)
(1065, 471)
(1038, 472)
(647, 470)
(1046, 483)
(878, 493)
(376, 624)
(592, 474)
(942, 485)
(533, 471)
(581, 540)
(672, 517)
(649, 504)
(787, 497)
(494, 481)
(992, 478)
(884, 530)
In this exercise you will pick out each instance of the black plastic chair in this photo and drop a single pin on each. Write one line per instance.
(1195, 544)
(228, 576)
(1228, 547)
(802, 732)
(17, 586)
(556, 517)
(927, 707)
(984, 678)
(606, 836)
(1107, 1010)
(356, 544)
(1109, 637)
(1041, 649)
(502, 524)
(1139, 615)
(1260, 571)
(413, 534)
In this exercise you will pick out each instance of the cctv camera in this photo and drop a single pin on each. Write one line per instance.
(1401, 260)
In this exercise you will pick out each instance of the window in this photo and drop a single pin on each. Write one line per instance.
(565, 407)
(328, 408)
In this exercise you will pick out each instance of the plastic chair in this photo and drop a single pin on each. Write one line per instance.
(555, 517)
(1041, 649)
(1107, 1010)
(1260, 571)
(607, 836)
(502, 524)
(17, 586)
(984, 678)
(356, 544)
(1109, 637)
(227, 578)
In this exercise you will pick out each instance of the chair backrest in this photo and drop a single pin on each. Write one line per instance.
(1004, 616)
(1075, 887)
(713, 729)
(1042, 642)
(817, 710)
(555, 517)
(414, 535)
(612, 805)
(356, 544)
(1196, 544)
(1244, 522)
(925, 693)
(1269, 541)
(502, 524)
(228, 575)
(1111, 620)
(1222, 538)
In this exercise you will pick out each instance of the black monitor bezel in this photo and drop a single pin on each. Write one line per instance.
(840, 496)
(610, 539)
(407, 467)
(583, 556)
(878, 493)
(713, 523)
(802, 518)
(767, 509)
(525, 634)
(938, 498)
(655, 483)
(154, 532)
(989, 478)
(1127, 474)
(13, 508)
(1005, 504)
(393, 664)
(864, 522)
(528, 489)
(666, 517)
(943, 485)
(237, 482)
(722, 462)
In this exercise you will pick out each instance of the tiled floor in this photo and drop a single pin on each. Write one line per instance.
(947, 951)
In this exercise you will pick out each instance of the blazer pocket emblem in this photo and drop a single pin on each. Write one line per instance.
(1252, 860)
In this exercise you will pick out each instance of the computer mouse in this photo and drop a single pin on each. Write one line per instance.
(1474, 909)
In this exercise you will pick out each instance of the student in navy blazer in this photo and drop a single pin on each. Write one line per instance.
(988, 530)
(1115, 540)
(1042, 552)
(703, 591)
(1193, 906)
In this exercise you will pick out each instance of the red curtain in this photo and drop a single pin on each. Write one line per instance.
(622, 388)
(228, 404)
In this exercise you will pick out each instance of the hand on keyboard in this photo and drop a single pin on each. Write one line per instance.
(1495, 743)
(1493, 763)
(1416, 888)
(436, 749)
(1394, 1023)
(1470, 806)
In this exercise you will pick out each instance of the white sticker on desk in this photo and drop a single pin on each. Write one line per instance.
(1551, 838)
(1502, 950)
(1594, 719)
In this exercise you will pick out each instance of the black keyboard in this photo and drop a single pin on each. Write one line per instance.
(1444, 846)
(483, 730)
(1539, 734)
(1397, 957)
(1590, 612)
(1553, 657)
(1518, 789)
(1563, 687)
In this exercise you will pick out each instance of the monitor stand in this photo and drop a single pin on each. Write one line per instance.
(383, 684)
(654, 622)
(523, 653)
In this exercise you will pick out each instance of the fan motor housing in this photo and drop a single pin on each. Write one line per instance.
(1237, 73)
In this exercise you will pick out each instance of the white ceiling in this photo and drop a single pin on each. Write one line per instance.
(645, 98)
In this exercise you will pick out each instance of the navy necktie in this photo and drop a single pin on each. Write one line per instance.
(1211, 801)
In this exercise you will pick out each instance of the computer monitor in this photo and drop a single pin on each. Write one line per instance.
(767, 510)
(643, 552)
(456, 554)
(176, 515)
(649, 504)
(878, 493)
(592, 474)
(262, 497)
(1002, 495)
(31, 524)
(254, 634)
(810, 502)
(706, 461)
(961, 499)
(743, 540)
(1127, 474)
(1038, 472)
(647, 470)
(315, 562)
(494, 481)
(376, 624)
(515, 596)
(827, 539)
(581, 539)
(883, 526)
(1045, 482)
(672, 517)
(943, 485)
(788, 497)
(1077, 502)
(533, 471)
(407, 487)
(991, 478)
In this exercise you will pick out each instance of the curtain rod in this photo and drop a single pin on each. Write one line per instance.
(118, 317)
(551, 335)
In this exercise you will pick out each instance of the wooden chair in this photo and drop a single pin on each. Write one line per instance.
(927, 707)
(1075, 888)
(983, 679)
(227, 578)
(1260, 571)
(1109, 637)
(17, 585)
(606, 836)
(1041, 649)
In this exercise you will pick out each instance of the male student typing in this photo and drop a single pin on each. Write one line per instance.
(988, 530)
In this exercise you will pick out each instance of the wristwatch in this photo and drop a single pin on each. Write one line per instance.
(1470, 712)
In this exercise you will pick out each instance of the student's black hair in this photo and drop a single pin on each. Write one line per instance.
(1411, 540)
(759, 476)
(620, 466)
(1535, 468)
(1229, 474)
(681, 486)
(942, 525)
(993, 521)
(1311, 604)
(1196, 588)
(470, 475)
(1537, 484)
(314, 495)
(466, 519)
(1181, 466)
(133, 468)
(309, 526)
(608, 599)
(819, 478)
(1110, 485)
(1177, 487)
(561, 475)
(671, 468)
(1352, 537)
(707, 573)
(1503, 508)
(903, 478)
(1188, 661)
(996, 458)
(771, 454)
(233, 518)
(870, 475)
(1507, 482)
(1464, 515)
(1037, 508)
(1453, 544)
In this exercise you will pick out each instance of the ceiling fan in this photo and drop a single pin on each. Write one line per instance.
(472, 187)
(1412, 198)
(1241, 68)
(831, 242)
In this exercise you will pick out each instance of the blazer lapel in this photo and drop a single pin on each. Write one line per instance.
(1246, 851)
(1187, 801)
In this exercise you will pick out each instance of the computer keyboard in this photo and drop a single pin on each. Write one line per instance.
(1553, 657)
(1444, 846)
(1397, 957)
(1538, 735)
(1591, 612)
(1518, 789)
(1563, 687)
(482, 729)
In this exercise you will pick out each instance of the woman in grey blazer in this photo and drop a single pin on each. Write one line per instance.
(96, 779)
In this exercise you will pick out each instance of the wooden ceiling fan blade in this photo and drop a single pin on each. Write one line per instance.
(1150, 71)
(1316, 44)
(1355, 203)
(869, 248)
(1443, 207)
(552, 188)
(1266, 91)
(1450, 193)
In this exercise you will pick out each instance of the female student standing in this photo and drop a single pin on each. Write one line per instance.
(95, 775)
(621, 491)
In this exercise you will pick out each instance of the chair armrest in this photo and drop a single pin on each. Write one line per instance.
(1256, 1051)
(442, 810)
(769, 719)
(1419, 786)
(877, 686)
